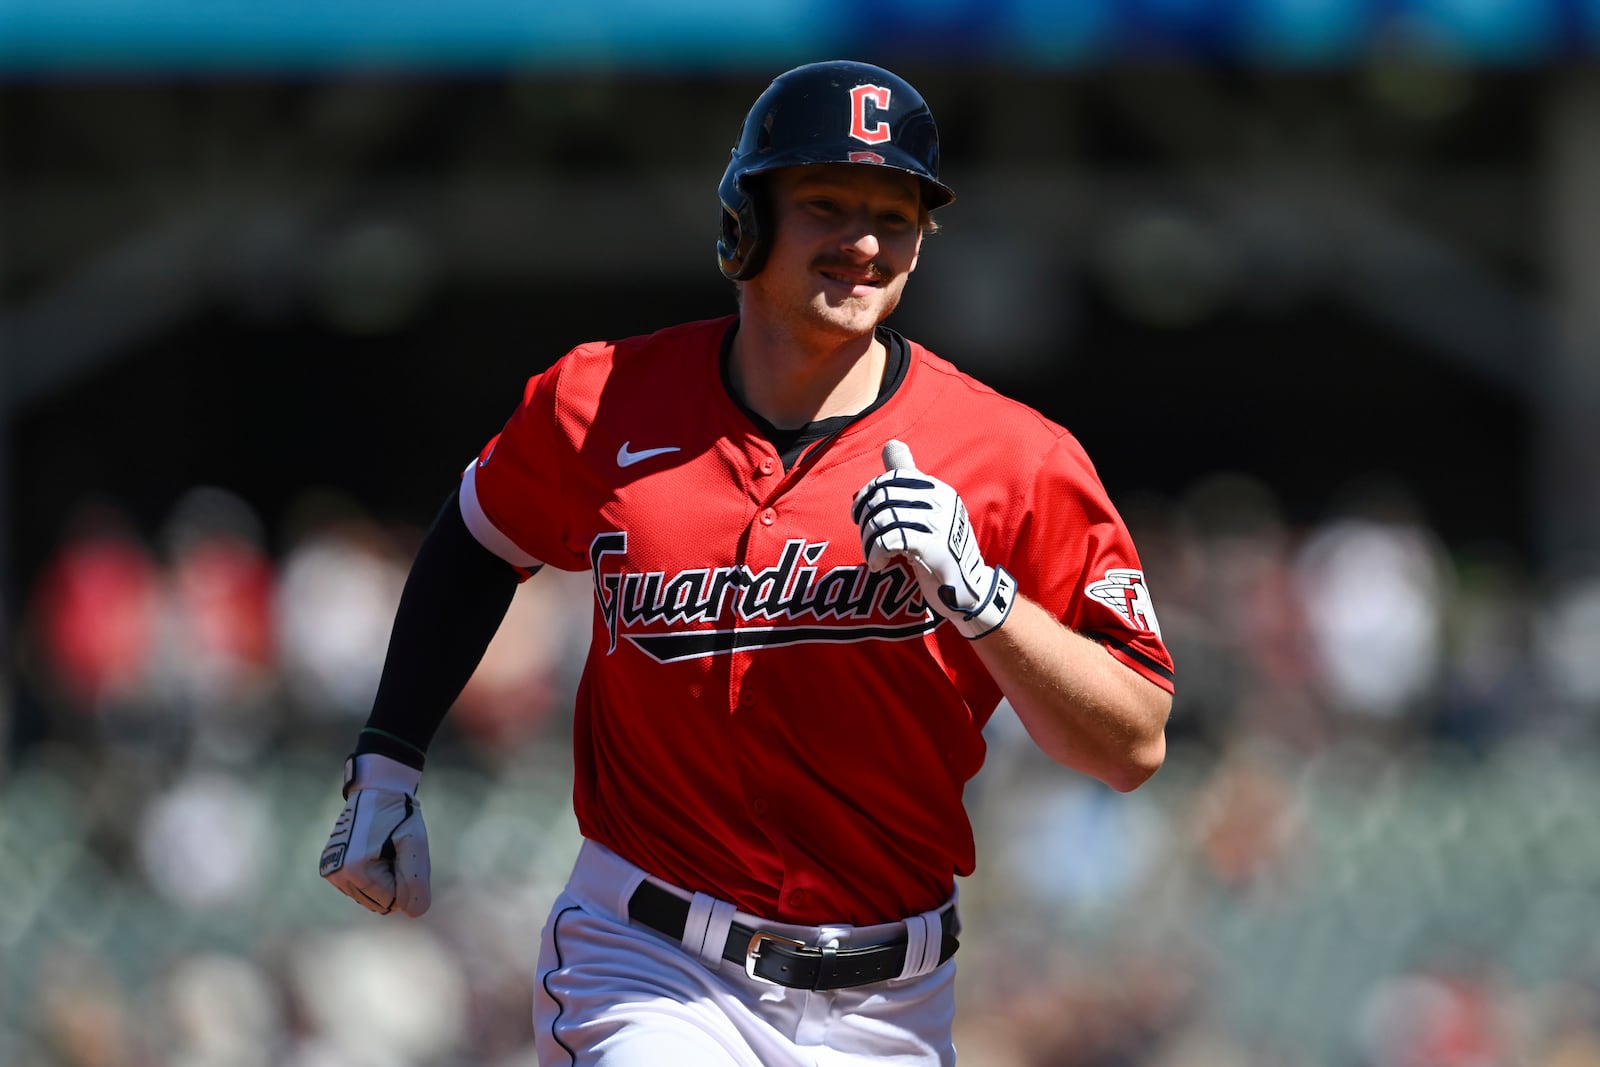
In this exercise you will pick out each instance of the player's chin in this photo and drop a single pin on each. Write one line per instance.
(855, 313)
(840, 327)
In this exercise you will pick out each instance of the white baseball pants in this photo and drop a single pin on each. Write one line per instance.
(612, 994)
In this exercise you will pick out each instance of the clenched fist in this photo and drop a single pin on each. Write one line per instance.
(377, 854)
(906, 513)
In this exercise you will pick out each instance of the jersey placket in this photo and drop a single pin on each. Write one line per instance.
(766, 537)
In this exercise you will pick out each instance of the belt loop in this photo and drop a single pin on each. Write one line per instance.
(924, 939)
(694, 927)
(719, 919)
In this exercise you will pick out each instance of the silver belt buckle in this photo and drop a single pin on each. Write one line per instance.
(753, 952)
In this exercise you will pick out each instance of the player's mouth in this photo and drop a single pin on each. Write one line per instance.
(857, 278)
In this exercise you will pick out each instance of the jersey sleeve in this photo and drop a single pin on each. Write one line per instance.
(1077, 558)
(511, 494)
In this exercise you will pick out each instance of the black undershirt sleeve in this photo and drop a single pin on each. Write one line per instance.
(454, 600)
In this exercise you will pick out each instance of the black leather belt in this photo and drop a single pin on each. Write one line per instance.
(785, 961)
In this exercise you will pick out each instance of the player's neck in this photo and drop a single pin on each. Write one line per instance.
(791, 384)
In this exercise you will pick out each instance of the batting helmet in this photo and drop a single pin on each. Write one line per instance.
(832, 112)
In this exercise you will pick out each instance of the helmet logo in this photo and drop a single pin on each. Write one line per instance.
(861, 96)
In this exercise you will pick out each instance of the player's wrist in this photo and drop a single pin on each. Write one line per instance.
(993, 610)
(376, 741)
(370, 770)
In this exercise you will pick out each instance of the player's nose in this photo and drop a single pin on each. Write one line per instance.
(861, 243)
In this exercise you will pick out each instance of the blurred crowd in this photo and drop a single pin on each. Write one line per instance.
(210, 640)
(1368, 848)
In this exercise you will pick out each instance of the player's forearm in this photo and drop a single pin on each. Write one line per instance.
(454, 600)
(1082, 707)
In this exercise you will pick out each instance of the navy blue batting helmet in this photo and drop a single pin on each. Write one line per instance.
(832, 112)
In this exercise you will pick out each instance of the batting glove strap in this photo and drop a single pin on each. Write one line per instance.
(372, 771)
(996, 606)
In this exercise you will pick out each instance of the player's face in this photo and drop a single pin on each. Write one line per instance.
(845, 239)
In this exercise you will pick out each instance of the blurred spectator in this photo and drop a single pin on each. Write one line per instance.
(1075, 846)
(1259, 648)
(1069, 1013)
(94, 613)
(1490, 685)
(1569, 635)
(219, 661)
(1251, 834)
(487, 929)
(338, 586)
(83, 1017)
(391, 997)
(1211, 1043)
(203, 843)
(219, 1010)
(530, 668)
(1373, 581)
(1451, 1015)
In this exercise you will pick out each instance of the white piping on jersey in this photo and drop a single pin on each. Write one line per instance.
(488, 535)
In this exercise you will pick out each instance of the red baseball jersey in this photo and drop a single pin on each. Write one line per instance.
(760, 717)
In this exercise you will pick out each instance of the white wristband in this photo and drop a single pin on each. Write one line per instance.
(372, 771)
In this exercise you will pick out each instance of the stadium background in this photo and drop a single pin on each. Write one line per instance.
(1314, 281)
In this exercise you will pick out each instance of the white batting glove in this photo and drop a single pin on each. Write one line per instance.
(906, 513)
(378, 852)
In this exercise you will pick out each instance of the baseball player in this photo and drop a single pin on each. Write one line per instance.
(821, 556)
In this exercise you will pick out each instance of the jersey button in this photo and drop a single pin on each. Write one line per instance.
(768, 517)
(759, 805)
(766, 465)
(798, 898)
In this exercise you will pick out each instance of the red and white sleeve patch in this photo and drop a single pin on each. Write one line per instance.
(1124, 591)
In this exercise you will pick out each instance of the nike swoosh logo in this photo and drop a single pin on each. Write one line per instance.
(626, 458)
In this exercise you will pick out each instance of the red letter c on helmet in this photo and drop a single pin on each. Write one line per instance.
(877, 132)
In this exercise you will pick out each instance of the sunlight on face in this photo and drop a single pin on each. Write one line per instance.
(845, 239)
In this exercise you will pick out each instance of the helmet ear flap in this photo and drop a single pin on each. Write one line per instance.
(746, 229)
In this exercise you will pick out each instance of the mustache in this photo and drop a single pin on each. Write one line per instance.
(873, 270)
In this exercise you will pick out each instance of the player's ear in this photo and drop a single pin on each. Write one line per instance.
(926, 225)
